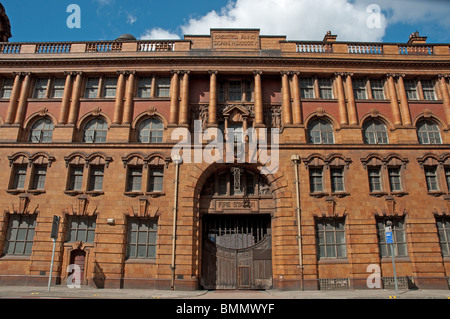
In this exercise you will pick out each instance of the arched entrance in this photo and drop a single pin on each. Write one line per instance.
(236, 208)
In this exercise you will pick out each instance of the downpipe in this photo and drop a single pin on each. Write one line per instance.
(296, 161)
(177, 160)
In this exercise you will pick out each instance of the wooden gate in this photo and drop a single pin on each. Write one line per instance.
(237, 252)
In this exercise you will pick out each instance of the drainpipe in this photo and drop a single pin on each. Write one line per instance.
(296, 161)
(177, 159)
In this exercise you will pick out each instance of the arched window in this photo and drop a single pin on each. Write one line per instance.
(428, 132)
(151, 131)
(42, 131)
(321, 132)
(375, 132)
(95, 131)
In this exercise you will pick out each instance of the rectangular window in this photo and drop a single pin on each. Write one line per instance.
(316, 179)
(331, 238)
(109, 87)
(337, 179)
(81, 229)
(96, 178)
(325, 88)
(7, 87)
(134, 179)
(307, 88)
(395, 179)
(447, 177)
(58, 88)
(76, 177)
(156, 179)
(20, 235)
(144, 87)
(398, 235)
(235, 91)
(431, 178)
(142, 238)
(428, 90)
(39, 175)
(40, 88)
(377, 86)
(443, 226)
(163, 87)
(375, 179)
(92, 88)
(359, 89)
(411, 89)
(20, 173)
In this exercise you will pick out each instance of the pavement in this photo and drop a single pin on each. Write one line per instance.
(63, 292)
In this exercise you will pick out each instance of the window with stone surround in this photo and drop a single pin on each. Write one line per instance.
(398, 235)
(320, 131)
(96, 175)
(142, 238)
(75, 177)
(155, 179)
(447, 176)
(395, 180)
(411, 89)
(377, 87)
(101, 87)
(375, 132)
(162, 87)
(134, 178)
(375, 184)
(431, 178)
(428, 88)
(428, 132)
(307, 87)
(6, 88)
(326, 88)
(49, 87)
(42, 130)
(151, 130)
(19, 177)
(19, 235)
(81, 229)
(39, 174)
(359, 89)
(235, 90)
(316, 179)
(95, 131)
(331, 243)
(443, 227)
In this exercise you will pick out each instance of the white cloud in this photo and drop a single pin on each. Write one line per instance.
(159, 34)
(297, 19)
(131, 19)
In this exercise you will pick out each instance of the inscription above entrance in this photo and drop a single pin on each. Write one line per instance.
(235, 40)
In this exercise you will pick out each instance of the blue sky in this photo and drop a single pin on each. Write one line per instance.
(297, 19)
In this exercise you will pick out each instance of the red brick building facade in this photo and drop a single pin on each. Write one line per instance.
(87, 133)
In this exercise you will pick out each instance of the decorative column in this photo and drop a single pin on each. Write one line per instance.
(75, 105)
(341, 100)
(296, 103)
(352, 113)
(404, 106)
(259, 113)
(445, 95)
(120, 94)
(394, 100)
(23, 101)
(287, 107)
(184, 107)
(12, 108)
(213, 99)
(129, 98)
(174, 98)
(65, 105)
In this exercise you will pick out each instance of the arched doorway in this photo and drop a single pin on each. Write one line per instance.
(236, 208)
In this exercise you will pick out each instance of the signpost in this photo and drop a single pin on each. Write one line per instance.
(390, 242)
(54, 236)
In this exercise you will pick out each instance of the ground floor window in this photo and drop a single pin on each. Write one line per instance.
(443, 226)
(81, 229)
(331, 238)
(142, 235)
(398, 234)
(20, 235)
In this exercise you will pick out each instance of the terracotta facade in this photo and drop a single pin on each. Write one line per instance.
(230, 77)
